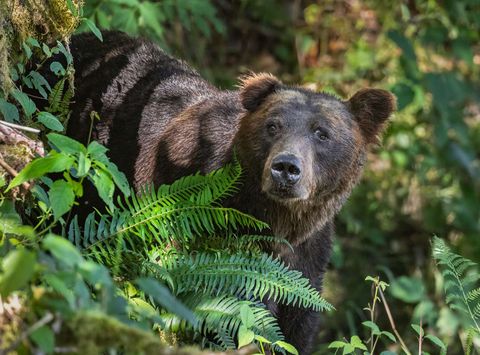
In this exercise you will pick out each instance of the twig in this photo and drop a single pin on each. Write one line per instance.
(13, 136)
(392, 322)
(12, 171)
(420, 338)
(22, 128)
(45, 320)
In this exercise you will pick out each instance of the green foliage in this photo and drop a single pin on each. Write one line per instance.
(152, 233)
(423, 180)
(461, 285)
(147, 241)
(150, 17)
(76, 162)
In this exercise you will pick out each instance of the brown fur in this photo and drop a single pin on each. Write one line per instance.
(162, 121)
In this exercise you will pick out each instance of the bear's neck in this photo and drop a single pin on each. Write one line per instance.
(296, 222)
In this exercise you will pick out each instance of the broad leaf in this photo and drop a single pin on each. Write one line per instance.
(50, 121)
(62, 250)
(44, 338)
(245, 336)
(9, 111)
(61, 197)
(53, 163)
(66, 144)
(18, 267)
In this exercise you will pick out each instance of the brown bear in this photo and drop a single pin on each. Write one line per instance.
(302, 151)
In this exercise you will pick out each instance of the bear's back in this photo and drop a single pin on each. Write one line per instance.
(136, 89)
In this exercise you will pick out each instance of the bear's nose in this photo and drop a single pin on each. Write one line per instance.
(286, 169)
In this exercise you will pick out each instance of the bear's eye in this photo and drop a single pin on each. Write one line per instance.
(272, 128)
(321, 135)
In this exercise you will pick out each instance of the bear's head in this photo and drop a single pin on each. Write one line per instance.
(305, 146)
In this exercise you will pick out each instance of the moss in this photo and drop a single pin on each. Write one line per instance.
(95, 333)
(45, 20)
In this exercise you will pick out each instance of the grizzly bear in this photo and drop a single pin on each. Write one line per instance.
(302, 151)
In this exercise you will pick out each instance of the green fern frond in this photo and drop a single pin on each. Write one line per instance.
(199, 189)
(55, 96)
(469, 341)
(254, 276)
(157, 226)
(184, 210)
(220, 317)
(459, 284)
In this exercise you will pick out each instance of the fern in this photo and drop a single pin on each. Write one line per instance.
(219, 316)
(254, 276)
(55, 96)
(203, 189)
(461, 276)
(181, 235)
(185, 209)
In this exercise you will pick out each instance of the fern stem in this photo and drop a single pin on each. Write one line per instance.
(161, 215)
(465, 298)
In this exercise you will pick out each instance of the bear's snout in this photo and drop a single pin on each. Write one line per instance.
(286, 170)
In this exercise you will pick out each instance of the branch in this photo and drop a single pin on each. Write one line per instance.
(11, 171)
(392, 322)
(10, 134)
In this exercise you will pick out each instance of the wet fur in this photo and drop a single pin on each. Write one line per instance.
(161, 120)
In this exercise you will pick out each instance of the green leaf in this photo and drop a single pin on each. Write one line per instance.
(408, 289)
(95, 274)
(53, 163)
(375, 329)
(61, 197)
(357, 343)
(245, 336)
(436, 341)
(261, 339)
(389, 336)
(39, 82)
(62, 250)
(27, 50)
(247, 316)
(348, 349)
(73, 9)
(65, 52)
(46, 50)
(97, 151)
(9, 111)
(57, 68)
(91, 25)
(61, 287)
(163, 297)
(84, 165)
(418, 329)
(337, 344)
(404, 44)
(404, 93)
(49, 121)
(104, 185)
(32, 42)
(27, 104)
(18, 268)
(149, 12)
(286, 346)
(119, 178)
(44, 338)
(66, 144)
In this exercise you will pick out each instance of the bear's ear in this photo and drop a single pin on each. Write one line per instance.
(255, 88)
(372, 108)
